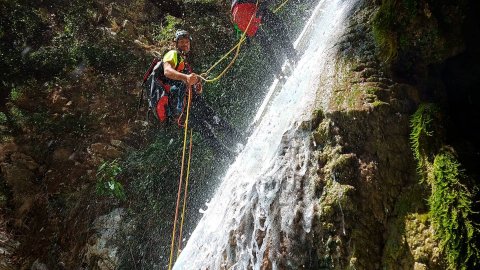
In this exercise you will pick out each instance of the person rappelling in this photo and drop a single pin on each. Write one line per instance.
(168, 82)
(256, 20)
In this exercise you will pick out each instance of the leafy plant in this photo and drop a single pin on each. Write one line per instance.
(423, 135)
(107, 183)
(3, 118)
(15, 94)
(165, 30)
(451, 201)
(452, 214)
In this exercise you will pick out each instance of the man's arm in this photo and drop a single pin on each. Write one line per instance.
(171, 73)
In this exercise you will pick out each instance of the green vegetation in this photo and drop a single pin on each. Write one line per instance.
(452, 194)
(15, 94)
(164, 32)
(392, 17)
(153, 174)
(451, 210)
(384, 25)
(412, 33)
(424, 136)
(107, 180)
(3, 118)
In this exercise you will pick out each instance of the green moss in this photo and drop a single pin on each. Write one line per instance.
(410, 204)
(451, 209)
(378, 103)
(372, 91)
(383, 29)
(348, 99)
(391, 16)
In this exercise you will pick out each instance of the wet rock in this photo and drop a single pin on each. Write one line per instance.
(104, 150)
(37, 265)
(119, 144)
(61, 154)
(7, 248)
(128, 30)
(24, 160)
(6, 150)
(18, 178)
(58, 102)
(100, 252)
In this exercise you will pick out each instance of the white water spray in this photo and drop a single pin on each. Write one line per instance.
(263, 209)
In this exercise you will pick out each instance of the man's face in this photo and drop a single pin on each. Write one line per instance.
(183, 44)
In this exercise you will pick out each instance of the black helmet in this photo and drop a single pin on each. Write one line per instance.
(182, 34)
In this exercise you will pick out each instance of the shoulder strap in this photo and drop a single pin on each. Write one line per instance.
(150, 69)
(180, 59)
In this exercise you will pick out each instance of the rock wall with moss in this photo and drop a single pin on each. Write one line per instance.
(85, 182)
(397, 188)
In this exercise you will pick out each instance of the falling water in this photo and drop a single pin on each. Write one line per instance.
(263, 210)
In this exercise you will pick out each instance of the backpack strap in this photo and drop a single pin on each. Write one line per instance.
(150, 69)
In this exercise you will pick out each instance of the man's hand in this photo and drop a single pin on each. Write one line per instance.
(192, 79)
(171, 73)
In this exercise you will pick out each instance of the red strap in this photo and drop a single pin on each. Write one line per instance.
(149, 70)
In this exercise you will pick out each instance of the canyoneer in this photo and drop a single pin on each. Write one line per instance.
(266, 27)
(167, 82)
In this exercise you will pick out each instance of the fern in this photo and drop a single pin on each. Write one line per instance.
(422, 135)
(452, 214)
(451, 202)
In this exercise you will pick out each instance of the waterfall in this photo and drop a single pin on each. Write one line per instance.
(263, 209)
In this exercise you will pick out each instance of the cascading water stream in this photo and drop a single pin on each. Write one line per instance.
(263, 210)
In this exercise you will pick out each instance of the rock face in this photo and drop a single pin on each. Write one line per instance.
(371, 210)
(100, 252)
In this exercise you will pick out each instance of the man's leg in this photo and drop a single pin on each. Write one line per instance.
(206, 131)
(177, 97)
(207, 114)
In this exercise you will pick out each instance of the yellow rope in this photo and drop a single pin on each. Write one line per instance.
(204, 76)
(237, 47)
(181, 179)
(280, 6)
(226, 69)
(185, 195)
(224, 56)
